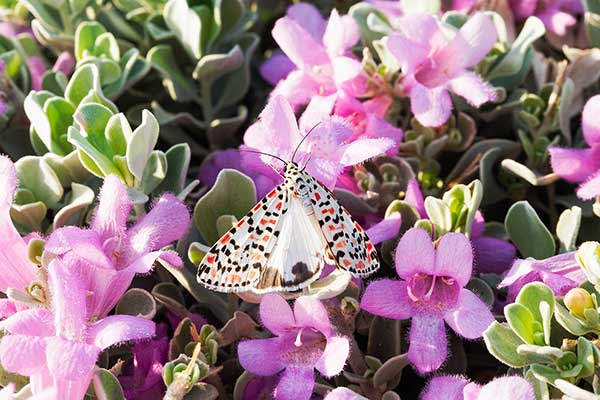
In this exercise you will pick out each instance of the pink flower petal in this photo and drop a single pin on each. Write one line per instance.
(557, 21)
(310, 312)
(575, 165)
(428, 347)
(297, 88)
(451, 386)
(296, 383)
(387, 298)
(167, 221)
(470, 317)
(480, 35)
(276, 314)
(34, 321)
(30, 358)
(472, 88)
(70, 359)
(454, 257)
(341, 34)
(409, 52)
(431, 107)
(319, 108)
(414, 197)
(493, 255)
(334, 357)
(261, 356)
(81, 243)
(347, 74)
(37, 68)
(110, 218)
(309, 17)
(590, 120)
(386, 229)
(120, 328)
(278, 116)
(509, 387)
(298, 44)
(64, 63)
(363, 149)
(415, 254)
(343, 393)
(590, 188)
(18, 270)
(68, 299)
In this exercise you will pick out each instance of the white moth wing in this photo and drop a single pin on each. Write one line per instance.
(298, 255)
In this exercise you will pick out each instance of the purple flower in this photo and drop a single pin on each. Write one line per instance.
(431, 65)
(18, 272)
(459, 388)
(431, 291)
(327, 151)
(557, 15)
(561, 273)
(304, 340)
(582, 165)
(118, 252)
(491, 255)
(233, 159)
(142, 378)
(319, 52)
(342, 393)
(58, 347)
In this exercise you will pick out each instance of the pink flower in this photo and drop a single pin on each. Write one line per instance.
(434, 62)
(561, 273)
(459, 388)
(17, 271)
(320, 52)
(326, 152)
(367, 119)
(431, 291)
(118, 252)
(582, 165)
(557, 15)
(305, 340)
(58, 347)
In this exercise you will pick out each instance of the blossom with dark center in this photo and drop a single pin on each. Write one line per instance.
(305, 340)
(431, 291)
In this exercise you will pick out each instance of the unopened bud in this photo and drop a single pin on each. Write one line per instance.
(577, 300)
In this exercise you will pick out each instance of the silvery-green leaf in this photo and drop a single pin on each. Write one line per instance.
(439, 213)
(142, 143)
(528, 232)
(187, 26)
(154, 172)
(28, 217)
(85, 37)
(91, 158)
(34, 108)
(137, 302)
(37, 176)
(574, 392)
(502, 343)
(79, 200)
(178, 162)
(221, 131)
(330, 286)
(361, 13)
(68, 168)
(527, 174)
(179, 87)
(421, 7)
(213, 66)
(106, 385)
(118, 133)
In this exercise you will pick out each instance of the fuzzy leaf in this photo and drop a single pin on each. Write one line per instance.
(528, 232)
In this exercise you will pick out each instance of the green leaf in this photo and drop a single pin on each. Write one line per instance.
(178, 162)
(232, 194)
(118, 133)
(213, 66)
(80, 198)
(187, 26)
(85, 37)
(528, 232)
(180, 87)
(502, 343)
(106, 386)
(142, 144)
(154, 172)
(521, 321)
(28, 217)
(36, 176)
(439, 213)
(137, 302)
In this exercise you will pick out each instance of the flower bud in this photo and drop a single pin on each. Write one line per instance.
(588, 257)
(577, 300)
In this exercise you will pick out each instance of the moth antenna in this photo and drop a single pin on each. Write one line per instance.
(264, 154)
(306, 163)
(303, 139)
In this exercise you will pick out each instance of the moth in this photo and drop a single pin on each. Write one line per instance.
(285, 239)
